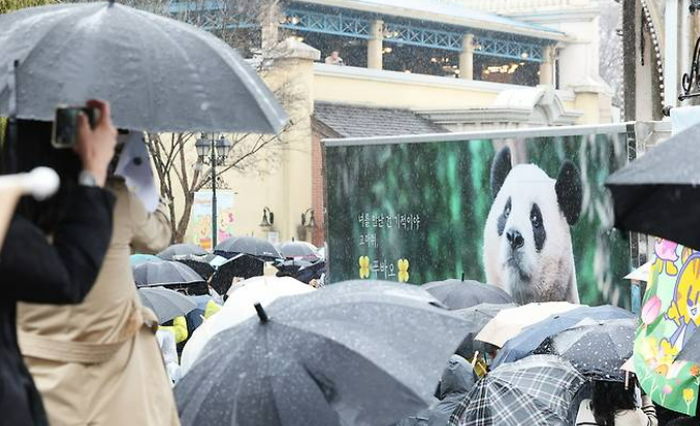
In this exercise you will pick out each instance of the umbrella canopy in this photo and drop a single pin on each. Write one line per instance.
(477, 317)
(164, 272)
(198, 264)
(313, 271)
(176, 250)
(158, 74)
(456, 294)
(509, 322)
(596, 349)
(290, 267)
(137, 259)
(656, 193)
(241, 266)
(299, 249)
(388, 288)
(532, 336)
(329, 357)
(691, 350)
(167, 304)
(238, 308)
(541, 390)
(247, 245)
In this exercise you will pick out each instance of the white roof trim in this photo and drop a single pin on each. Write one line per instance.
(470, 18)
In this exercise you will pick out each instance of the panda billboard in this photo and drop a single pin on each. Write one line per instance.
(524, 210)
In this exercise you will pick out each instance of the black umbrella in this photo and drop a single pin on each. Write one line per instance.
(198, 264)
(167, 304)
(658, 193)
(388, 288)
(477, 317)
(176, 250)
(300, 269)
(541, 390)
(159, 74)
(597, 349)
(164, 273)
(241, 266)
(311, 272)
(334, 356)
(691, 349)
(247, 245)
(456, 294)
(296, 249)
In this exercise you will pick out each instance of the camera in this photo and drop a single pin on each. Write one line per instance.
(65, 125)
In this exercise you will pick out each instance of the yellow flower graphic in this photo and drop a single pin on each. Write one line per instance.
(668, 351)
(403, 266)
(688, 395)
(364, 266)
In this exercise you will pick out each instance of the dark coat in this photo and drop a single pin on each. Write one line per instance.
(32, 270)
(456, 382)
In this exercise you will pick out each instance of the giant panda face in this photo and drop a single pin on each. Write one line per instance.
(528, 215)
(527, 240)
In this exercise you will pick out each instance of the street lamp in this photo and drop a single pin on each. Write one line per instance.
(307, 219)
(214, 152)
(268, 219)
(308, 224)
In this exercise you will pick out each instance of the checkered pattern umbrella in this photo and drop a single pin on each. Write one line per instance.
(536, 391)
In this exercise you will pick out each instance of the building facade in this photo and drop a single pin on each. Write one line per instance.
(408, 66)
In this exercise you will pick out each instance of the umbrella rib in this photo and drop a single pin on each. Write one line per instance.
(43, 37)
(199, 93)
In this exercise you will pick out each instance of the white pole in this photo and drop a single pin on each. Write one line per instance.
(671, 53)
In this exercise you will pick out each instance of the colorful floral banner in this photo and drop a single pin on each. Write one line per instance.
(670, 315)
(199, 229)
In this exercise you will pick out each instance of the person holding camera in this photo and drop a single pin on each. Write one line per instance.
(57, 271)
(98, 362)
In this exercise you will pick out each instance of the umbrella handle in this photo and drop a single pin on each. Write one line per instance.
(261, 313)
(476, 355)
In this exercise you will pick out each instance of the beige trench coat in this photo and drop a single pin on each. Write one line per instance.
(98, 363)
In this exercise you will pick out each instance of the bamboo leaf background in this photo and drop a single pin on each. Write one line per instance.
(446, 183)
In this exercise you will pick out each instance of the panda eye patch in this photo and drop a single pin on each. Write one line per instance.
(535, 216)
(538, 232)
(503, 218)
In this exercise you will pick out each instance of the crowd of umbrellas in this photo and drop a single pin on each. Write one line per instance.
(281, 352)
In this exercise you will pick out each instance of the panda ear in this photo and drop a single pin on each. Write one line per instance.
(499, 170)
(569, 193)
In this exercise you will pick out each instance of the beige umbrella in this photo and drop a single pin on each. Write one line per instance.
(40, 182)
(508, 323)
